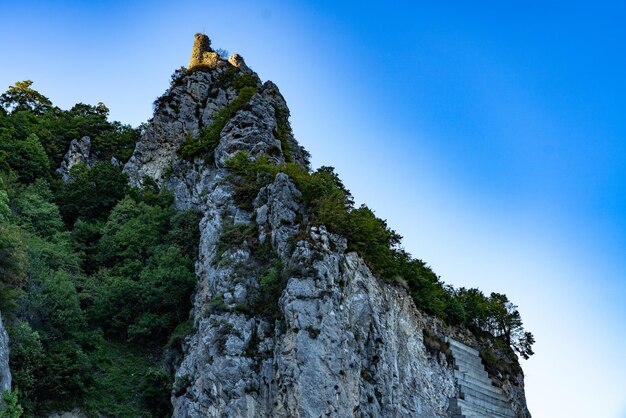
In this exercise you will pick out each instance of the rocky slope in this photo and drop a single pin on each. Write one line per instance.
(5, 373)
(341, 342)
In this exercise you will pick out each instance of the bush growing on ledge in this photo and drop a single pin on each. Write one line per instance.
(234, 77)
(271, 285)
(497, 356)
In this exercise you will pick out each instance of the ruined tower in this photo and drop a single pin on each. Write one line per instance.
(202, 54)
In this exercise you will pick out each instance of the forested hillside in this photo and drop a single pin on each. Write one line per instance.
(96, 276)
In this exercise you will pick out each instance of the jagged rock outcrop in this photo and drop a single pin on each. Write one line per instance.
(5, 373)
(338, 341)
(237, 61)
(78, 153)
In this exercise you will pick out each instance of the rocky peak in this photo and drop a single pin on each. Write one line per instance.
(287, 321)
(220, 108)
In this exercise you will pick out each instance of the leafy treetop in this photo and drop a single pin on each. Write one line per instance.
(20, 97)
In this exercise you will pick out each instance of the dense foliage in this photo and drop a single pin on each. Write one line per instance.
(30, 124)
(95, 277)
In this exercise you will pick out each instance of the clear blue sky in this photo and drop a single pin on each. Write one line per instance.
(492, 136)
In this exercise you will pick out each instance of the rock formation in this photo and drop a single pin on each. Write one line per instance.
(78, 153)
(342, 342)
(237, 61)
(5, 373)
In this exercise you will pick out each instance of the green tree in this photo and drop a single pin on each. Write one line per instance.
(36, 211)
(156, 387)
(5, 210)
(133, 232)
(476, 306)
(21, 97)
(93, 192)
(13, 264)
(505, 321)
(25, 360)
(84, 240)
(66, 372)
(146, 288)
(11, 407)
(61, 313)
(372, 238)
(166, 284)
(27, 157)
(113, 302)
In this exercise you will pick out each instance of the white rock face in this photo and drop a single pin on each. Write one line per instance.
(78, 153)
(339, 342)
(5, 373)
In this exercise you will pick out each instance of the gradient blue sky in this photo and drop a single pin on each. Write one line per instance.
(490, 135)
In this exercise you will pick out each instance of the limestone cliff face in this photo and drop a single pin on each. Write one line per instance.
(5, 373)
(343, 342)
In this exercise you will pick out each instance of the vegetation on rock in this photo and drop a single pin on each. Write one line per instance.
(209, 139)
(329, 203)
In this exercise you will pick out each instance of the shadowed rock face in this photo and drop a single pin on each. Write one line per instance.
(345, 343)
(5, 373)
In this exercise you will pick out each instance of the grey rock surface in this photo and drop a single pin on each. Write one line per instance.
(78, 153)
(5, 373)
(182, 111)
(76, 413)
(340, 342)
(238, 61)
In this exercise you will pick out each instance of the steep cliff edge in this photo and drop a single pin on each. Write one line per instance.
(287, 321)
